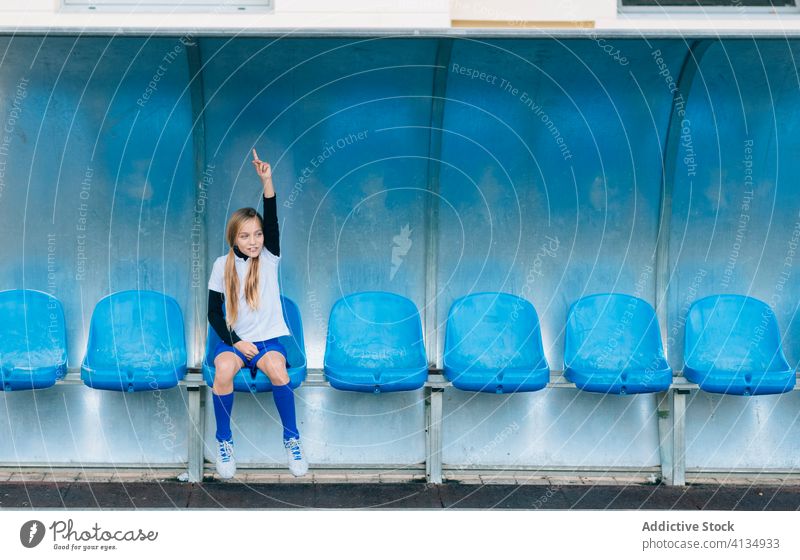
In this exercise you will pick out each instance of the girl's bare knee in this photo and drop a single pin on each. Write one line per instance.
(273, 364)
(225, 370)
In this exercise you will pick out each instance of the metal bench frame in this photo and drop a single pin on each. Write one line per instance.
(671, 425)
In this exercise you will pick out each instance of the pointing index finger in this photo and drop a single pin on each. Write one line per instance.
(255, 155)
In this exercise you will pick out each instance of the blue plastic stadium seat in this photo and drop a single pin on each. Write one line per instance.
(295, 350)
(33, 348)
(375, 344)
(493, 344)
(733, 346)
(136, 343)
(613, 345)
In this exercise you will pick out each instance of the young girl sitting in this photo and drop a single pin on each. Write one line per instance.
(246, 280)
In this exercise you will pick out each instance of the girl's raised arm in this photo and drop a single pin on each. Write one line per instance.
(264, 171)
(271, 233)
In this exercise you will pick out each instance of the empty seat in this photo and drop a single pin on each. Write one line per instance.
(733, 346)
(375, 344)
(493, 344)
(295, 359)
(136, 343)
(33, 348)
(613, 345)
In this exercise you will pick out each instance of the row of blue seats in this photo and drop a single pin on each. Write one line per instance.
(493, 344)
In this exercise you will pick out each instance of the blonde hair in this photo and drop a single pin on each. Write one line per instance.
(235, 224)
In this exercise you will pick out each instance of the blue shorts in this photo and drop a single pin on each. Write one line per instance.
(263, 346)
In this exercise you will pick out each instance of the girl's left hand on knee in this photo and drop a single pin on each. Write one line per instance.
(247, 348)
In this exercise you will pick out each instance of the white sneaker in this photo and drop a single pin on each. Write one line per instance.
(226, 464)
(298, 465)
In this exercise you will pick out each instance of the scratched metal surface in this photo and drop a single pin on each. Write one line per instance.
(550, 195)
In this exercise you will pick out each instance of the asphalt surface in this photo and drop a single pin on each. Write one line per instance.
(221, 495)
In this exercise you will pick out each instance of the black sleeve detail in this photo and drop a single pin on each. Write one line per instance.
(217, 319)
(271, 234)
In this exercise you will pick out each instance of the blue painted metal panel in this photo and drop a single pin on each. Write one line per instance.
(98, 190)
(736, 215)
(344, 123)
(337, 428)
(552, 172)
(731, 432)
(79, 426)
(549, 428)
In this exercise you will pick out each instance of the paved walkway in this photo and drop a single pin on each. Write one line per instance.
(283, 493)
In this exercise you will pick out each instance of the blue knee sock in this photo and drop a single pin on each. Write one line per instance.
(284, 400)
(223, 405)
